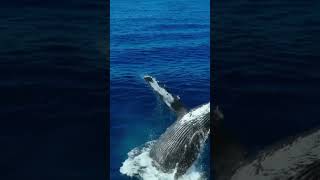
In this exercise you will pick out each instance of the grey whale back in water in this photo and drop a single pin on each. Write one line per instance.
(296, 158)
(179, 146)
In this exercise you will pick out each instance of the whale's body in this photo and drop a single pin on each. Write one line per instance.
(297, 158)
(179, 146)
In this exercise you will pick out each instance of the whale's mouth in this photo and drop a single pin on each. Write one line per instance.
(140, 165)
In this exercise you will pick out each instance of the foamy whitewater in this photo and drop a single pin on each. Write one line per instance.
(140, 165)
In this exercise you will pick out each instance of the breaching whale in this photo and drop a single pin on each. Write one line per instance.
(296, 158)
(179, 146)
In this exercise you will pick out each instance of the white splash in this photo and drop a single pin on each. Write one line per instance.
(196, 113)
(140, 165)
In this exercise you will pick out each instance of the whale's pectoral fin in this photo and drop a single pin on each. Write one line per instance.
(173, 102)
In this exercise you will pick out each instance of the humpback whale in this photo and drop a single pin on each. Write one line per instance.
(296, 158)
(179, 146)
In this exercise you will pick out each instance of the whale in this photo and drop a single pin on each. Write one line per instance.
(294, 158)
(179, 146)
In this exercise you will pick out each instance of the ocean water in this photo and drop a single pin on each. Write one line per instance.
(168, 40)
(266, 76)
(53, 89)
(53, 73)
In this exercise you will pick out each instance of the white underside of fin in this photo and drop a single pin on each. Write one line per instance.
(167, 97)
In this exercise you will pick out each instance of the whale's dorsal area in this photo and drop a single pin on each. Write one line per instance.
(297, 158)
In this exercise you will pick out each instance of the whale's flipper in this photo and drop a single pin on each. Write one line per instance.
(173, 102)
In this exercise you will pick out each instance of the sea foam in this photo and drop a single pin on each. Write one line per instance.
(140, 165)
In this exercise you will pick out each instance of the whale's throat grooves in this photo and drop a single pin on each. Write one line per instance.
(172, 146)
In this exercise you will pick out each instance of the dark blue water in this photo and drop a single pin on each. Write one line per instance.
(53, 89)
(266, 67)
(166, 39)
(53, 68)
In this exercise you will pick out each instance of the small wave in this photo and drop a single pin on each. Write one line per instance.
(140, 165)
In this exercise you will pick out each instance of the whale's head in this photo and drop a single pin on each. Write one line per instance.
(198, 117)
(179, 146)
(201, 116)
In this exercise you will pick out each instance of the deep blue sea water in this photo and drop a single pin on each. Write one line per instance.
(53, 89)
(168, 40)
(266, 68)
